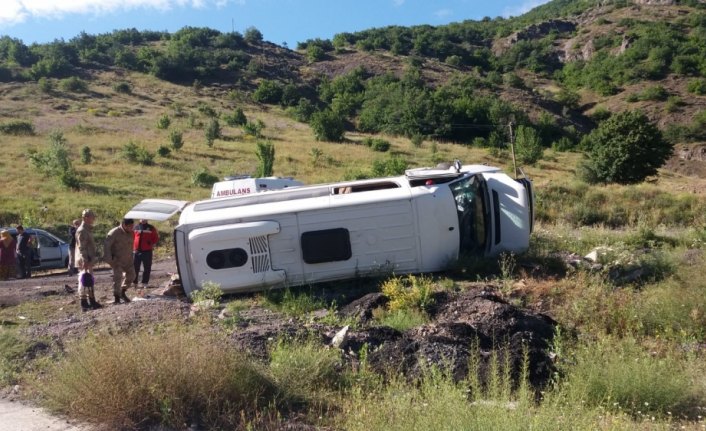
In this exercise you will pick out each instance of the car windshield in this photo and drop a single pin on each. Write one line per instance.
(469, 194)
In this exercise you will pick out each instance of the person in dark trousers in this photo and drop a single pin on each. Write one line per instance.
(72, 246)
(24, 253)
(145, 239)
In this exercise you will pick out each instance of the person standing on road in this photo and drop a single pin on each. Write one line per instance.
(118, 254)
(72, 246)
(24, 252)
(145, 239)
(8, 255)
(86, 257)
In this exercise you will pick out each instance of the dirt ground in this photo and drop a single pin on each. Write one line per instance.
(470, 319)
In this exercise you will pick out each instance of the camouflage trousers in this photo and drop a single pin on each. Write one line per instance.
(123, 276)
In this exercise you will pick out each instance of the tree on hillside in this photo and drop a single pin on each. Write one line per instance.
(626, 148)
(327, 126)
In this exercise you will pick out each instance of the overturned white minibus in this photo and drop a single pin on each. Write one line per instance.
(419, 222)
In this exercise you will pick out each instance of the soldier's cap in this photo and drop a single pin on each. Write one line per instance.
(88, 212)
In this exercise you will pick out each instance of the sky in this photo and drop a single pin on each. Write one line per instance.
(280, 21)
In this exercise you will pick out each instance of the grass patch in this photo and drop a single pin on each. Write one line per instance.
(172, 378)
(306, 371)
(620, 375)
(401, 320)
(294, 302)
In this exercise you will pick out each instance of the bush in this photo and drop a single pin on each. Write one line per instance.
(86, 156)
(327, 126)
(377, 144)
(215, 390)
(45, 85)
(528, 147)
(17, 128)
(253, 128)
(56, 162)
(389, 167)
(163, 151)
(203, 178)
(73, 84)
(164, 122)
(268, 92)
(656, 93)
(176, 139)
(266, 155)
(137, 154)
(212, 132)
(409, 292)
(122, 87)
(625, 148)
(697, 86)
(237, 118)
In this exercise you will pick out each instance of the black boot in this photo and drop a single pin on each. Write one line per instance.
(84, 304)
(124, 297)
(94, 304)
(117, 300)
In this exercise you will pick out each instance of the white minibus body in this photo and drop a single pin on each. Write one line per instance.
(419, 222)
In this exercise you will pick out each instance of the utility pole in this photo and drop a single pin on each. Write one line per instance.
(512, 148)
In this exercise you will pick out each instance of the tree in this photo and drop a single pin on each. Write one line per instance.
(626, 148)
(266, 155)
(252, 35)
(327, 126)
(213, 132)
(528, 146)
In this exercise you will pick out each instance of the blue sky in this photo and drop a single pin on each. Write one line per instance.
(280, 21)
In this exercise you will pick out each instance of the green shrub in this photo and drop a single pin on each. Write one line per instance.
(203, 178)
(141, 379)
(528, 147)
(164, 122)
(389, 167)
(137, 154)
(254, 128)
(377, 144)
(17, 128)
(656, 93)
(74, 85)
(45, 85)
(408, 292)
(163, 151)
(212, 132)
(209, 292)
(122, 87)
(207, 110)
(56, 161)
(417, 140)
(237, 118)
(176, 139)
(86, 156)
(625, 149)
(268, 92)
(327, 126)
(266, 159)
(697, 86)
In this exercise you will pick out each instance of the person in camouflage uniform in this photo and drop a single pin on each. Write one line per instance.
(86, 257)
(118, 254)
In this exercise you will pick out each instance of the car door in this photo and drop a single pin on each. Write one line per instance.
(48, 251)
